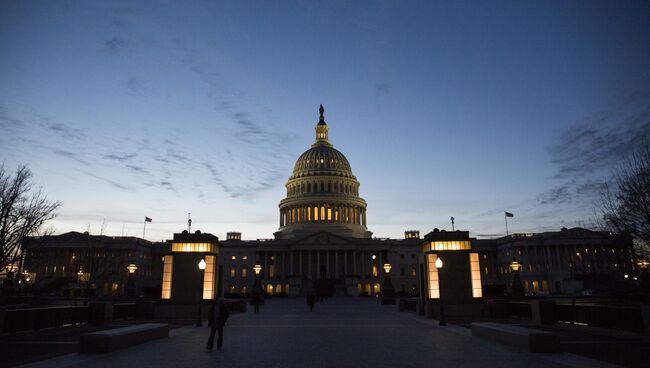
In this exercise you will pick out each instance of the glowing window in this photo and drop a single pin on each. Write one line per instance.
(232, 289)
(374, 271)
(244, 272)
(447, 245)
(233, 271)
(167, 278)
(329, 214)
(475, 268)
(193, 247)
(432, 277)
(244, 289)
(244, 258)
(208, 278)
(271, 270)
(322, 213)
(315, 213)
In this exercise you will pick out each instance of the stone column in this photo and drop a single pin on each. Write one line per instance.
(309, 264)
(291, 263)
(328, 272)
(354, 263)
(336, 264)
(266, 266)
(300, 269)
(317, 263)
(345, 263)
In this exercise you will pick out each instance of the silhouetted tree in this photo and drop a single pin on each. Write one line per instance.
(625, 201)
(23, 211)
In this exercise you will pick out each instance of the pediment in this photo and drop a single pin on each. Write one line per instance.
(323, 238)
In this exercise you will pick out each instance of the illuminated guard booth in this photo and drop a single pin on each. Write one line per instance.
(190, 271)
(451, 275)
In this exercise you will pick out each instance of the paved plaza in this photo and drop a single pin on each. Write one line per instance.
(343, 332)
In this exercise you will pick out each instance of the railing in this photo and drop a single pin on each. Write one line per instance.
(48, 317)
(520, 310)
(122, 311)
(616, 317)
(621, 317)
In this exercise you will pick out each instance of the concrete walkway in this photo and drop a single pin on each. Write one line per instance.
(344, 332)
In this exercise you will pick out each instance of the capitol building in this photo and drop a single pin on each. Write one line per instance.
(323, 236)
(323, 243)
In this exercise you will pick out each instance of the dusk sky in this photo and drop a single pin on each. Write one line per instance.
(468, 109)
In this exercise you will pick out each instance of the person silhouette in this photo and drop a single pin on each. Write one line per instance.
(217, 318)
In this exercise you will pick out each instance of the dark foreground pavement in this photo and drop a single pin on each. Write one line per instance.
(344, 332)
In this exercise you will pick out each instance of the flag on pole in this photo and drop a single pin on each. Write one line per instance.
(508, 214)
(147, 219)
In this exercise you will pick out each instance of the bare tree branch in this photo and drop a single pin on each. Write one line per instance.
(23, 212)
(625, 201)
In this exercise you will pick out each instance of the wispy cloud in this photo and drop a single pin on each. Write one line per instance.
(586, 154)
(115, 44)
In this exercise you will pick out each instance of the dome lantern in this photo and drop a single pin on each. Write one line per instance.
(321, 130)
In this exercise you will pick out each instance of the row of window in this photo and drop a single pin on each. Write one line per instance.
(326, 212)
(323, 187)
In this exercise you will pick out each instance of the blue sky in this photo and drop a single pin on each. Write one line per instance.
(464, 109)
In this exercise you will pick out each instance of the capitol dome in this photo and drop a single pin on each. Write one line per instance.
(322, 193)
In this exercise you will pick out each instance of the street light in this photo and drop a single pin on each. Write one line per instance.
(257, 292)
(517, 286)
(199, 321)
(442, 322)
(130, 283)
(387, 291)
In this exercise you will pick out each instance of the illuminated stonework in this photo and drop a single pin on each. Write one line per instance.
(322, 193)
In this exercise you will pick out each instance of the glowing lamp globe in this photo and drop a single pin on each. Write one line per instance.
(439, 263)
(257, 268)
(515, 266)
(132, 268)
(202, 264)
(387, 267)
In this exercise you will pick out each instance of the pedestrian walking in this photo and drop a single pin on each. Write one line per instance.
(311, 300)
(217, 318)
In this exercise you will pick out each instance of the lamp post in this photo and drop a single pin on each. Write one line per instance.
(257, 291)
(387, 291)
(517, 287)
(443, 322)
(201, 268)
(130, 283)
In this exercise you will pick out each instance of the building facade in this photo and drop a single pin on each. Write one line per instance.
(323, 242)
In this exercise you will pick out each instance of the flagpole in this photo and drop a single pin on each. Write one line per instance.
(506, 218)
(144, 228)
